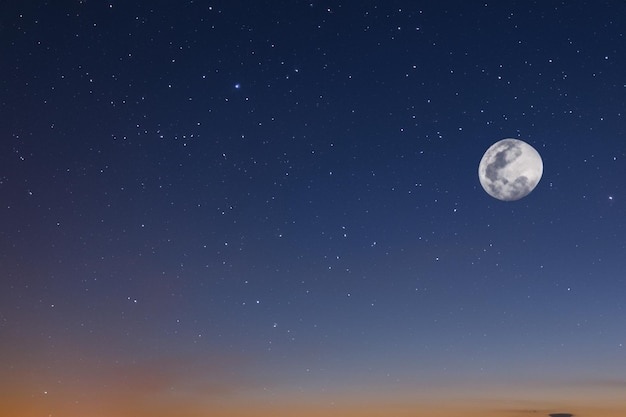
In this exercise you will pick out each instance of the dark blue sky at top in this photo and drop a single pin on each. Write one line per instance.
(270, 176)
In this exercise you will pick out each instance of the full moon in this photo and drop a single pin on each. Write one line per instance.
(510, 169)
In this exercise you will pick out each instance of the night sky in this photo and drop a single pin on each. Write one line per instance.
(272, 208)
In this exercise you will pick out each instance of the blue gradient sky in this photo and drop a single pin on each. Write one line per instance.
(272, 208)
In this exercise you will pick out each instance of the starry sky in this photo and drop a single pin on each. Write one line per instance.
(272, 208)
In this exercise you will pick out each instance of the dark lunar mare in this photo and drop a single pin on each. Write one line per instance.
(500, 161)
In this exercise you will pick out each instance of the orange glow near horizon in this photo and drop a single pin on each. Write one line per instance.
(29, 406)
(162, 389)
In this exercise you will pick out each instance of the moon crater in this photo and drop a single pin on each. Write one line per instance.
(510, 169)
